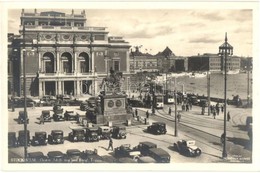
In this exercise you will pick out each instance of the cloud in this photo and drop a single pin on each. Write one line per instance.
(193, 24)
(204, 39)
(207, 15)
(241, 15)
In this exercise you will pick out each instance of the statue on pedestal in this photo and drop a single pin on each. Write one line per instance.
(112, 83)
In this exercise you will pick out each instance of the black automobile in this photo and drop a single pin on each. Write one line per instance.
(20, 102)
(187, 147)
(21, 138)
(40, 138)
(56, 137)
(119, 132)
(12, 140)
(47, 100)
(77, 135)
(194, 100)
(144, 147)
(74, 155)
(203, 103)
(92, 134)
(37, 157)
(90, 156)
(58, 113)
(160, 155)
(21, 118)
(104, 132)
(56, 156)
(135, 103)
(46, 115)
(157, 128)
(83, 106)
(126, 151)
(70, 116)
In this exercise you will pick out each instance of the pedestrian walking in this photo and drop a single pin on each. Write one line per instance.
(222, 108)
(170, 111)
(228, 116)
(110, 145)
(41, 119)
(211, 109)
(147, 114)
(187, 107)
(183, 107)
(136, 112)
(179, 116)
(217, 109)
(214, 113)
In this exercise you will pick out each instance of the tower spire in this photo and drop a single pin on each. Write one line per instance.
(226, 38)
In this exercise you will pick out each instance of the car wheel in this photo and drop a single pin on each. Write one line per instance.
(198, 152)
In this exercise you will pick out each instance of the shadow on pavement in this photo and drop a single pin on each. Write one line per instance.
(216, 143)
(219, 157)
(241, 127)
(240, 141)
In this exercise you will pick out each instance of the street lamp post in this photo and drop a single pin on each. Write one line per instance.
(175, 104)
(248, 80)
(225, 49)
(208, 87)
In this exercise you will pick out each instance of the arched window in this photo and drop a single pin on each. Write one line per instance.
(84, 65)
(49, 62)
(66, 62)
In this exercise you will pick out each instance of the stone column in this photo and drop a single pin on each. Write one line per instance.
(58, 62)
(40, 88)
(59, 87)
(43, 87)
(56, 87)
(78, 87)
(75, 63)
(62, 87)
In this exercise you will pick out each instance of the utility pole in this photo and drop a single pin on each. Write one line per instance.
(208, 86)
(175, 103)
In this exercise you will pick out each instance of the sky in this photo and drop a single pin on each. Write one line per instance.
(186, 32)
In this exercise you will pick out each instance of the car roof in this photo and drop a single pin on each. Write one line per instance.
(22, 131)
(55, 153)
(40, 132)
(57, 131)
(73, 151)
(148, 143)
(158, 123)
(36, 154)
(45, 111)
(11, 133)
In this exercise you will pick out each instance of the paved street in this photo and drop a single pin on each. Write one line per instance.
(202, 128)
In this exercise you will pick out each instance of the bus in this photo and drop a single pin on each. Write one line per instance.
(158, 100)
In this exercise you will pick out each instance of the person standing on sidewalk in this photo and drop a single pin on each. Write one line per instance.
(170, 111)
(214, 113)
(228, 116)
(41, 120)
(179, 116)
(110, 145)
(136, 112)
(147, 114)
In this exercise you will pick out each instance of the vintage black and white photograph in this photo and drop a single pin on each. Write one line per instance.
(92, 85)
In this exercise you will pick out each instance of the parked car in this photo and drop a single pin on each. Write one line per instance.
(90, 156)
(104, 132)
(126, 151)
(109, 159)
(203, 103)
(40, 138)
(146, 159)
(47, 101)
(22, 119)
(70, 115)
(119, 132)
(58, 113)
(21, 138)
(77, 135)
(56, 156)
(56, 137)
(46, 115)
(160, 155)
(193, 99)
(37, 157)
(92, 134)
(187, 147)
(81, 119)
(12, 140)
(249, 121)
(144, 147)
(19, 102)
(157, 128)
(74, 155)
(83, 106)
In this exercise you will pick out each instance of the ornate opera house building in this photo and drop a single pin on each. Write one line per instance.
(63, 55)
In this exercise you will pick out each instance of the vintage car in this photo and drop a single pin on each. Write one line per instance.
(21, 118)
(77, 135)
(135, 103)
(40, 138)
(157, 128)
(126, 151)
(47, 100)
(144, 147)
(70, 115)
(146, 159)
(92, 134)
(19, 102)
(81, 119)
(187, 147)
(160, 155)
(37, 157)
(58, 113)
(104, 132)
(56, 156)
(21, 138)
(12, 140)
(73, 155)
(119, 132)
(90, 156)
(203, 103)
(46, 116)
(56, 137)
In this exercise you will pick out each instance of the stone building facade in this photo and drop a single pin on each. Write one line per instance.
(65, 56)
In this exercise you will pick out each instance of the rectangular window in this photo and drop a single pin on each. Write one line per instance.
(116, 65)
(99, 37)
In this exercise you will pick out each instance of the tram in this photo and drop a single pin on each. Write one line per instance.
(158, 101)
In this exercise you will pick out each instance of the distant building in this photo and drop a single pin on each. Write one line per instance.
(69, 56)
